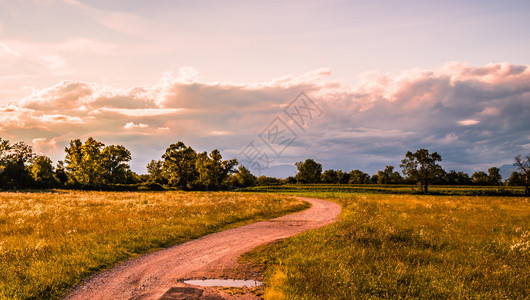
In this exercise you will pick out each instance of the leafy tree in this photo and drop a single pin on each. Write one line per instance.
(142, 178)
(389, 176)
(91, 164)
(383, 177)
(114, 161)
(358, 177)
(308, 171)
(494, 176)
(155, 169)
(179, 165)
(14, 159)
(289, 180)
(221, 168)
(41, 170)
(396, 178)
(244, 178)
(480, 178)
(213, 170)
(264, 180)
(523, 164)
(516, 179)
(18, 153)
(343, 177)
(421, 167)
(457, 178)
(83, 162)
(374, 178)
(60, 173)
(329, 176)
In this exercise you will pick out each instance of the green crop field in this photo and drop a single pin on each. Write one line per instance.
(50, 241)
(404, 246)
(345, 189)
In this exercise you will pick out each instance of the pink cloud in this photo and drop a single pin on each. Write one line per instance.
(468, 122)
(131, 125)
(44, 146)
(393, 111)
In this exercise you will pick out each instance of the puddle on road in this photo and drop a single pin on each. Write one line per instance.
(225, 282)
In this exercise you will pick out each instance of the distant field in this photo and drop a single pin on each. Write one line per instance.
(49, 241)
(338, 189)
(405, 246)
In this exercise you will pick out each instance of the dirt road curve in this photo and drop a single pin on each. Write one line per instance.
(212, 256)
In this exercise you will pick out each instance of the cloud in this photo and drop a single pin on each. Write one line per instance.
(52, 58)
(468, 122)
(44, 146)
(138, 112)
(9, 51)
(131, 125)
(126, 23)
(473, 116)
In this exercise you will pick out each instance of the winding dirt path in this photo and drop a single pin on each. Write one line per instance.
(212, 256)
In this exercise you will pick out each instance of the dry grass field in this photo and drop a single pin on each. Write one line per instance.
(406, 246)
(49, 241)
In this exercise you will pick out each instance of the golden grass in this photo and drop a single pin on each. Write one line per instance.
(407, 246)
(50, 241)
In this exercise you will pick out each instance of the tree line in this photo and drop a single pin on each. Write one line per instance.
(420, 167)
(93, 165)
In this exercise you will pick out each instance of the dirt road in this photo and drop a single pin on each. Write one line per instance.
(213, 256)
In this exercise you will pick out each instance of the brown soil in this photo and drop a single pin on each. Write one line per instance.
(160, 275)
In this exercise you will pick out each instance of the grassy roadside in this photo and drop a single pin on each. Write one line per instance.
(405, 246)
(50, 241)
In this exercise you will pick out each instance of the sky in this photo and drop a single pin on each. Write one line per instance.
(370, 80)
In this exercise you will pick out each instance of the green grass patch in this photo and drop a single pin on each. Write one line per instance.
(338, 189)
(406, 246)
(50, 241)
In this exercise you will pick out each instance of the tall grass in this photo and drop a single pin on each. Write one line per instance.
(407, 246)
(50, 241)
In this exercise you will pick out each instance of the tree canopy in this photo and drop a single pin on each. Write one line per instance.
(14, 160)
(92, 164)
(309, 171)
(180, 165)
(523, 165)
(421, 166)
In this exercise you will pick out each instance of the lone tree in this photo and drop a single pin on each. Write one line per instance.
(523, 164)
(421, 166)
(308, 171)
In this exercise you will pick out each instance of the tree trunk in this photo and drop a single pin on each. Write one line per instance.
(426, 188)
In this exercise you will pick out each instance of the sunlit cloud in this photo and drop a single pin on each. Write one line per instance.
(471, 115)
(131, 125)
(219, 132)
(468, 122)
(43, 146)
(148, 112)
